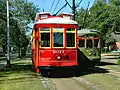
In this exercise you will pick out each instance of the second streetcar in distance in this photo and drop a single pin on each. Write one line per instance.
(90, 44)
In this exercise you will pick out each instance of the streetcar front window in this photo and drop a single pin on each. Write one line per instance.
(58, 37)
(70, 37)
(44, 37)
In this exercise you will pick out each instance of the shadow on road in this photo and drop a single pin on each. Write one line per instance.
(85, 67)
(72, 72)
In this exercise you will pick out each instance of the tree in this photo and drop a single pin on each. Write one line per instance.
(3, 23)
(21, 14)
(103, 17)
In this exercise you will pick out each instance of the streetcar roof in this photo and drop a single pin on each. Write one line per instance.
(86, 31)
(56, 20)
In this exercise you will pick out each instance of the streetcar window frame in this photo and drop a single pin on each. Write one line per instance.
(58, 30)
(71, 30)
(82, 43)
(96, 43)
(89, 43)
(45, 30)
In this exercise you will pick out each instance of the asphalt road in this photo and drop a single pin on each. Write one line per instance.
(68, 84)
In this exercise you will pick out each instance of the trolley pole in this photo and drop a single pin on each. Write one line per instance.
(8, 36)
(73, 9)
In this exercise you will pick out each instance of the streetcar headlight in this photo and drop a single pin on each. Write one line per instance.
(58, 57)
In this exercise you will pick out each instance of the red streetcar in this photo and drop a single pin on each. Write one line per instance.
(54, 42)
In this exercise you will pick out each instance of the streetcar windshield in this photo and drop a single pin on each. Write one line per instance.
(44, 37)
(58, 37)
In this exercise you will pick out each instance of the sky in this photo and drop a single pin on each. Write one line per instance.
(49, 6)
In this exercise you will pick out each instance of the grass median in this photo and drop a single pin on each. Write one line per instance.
(20, 77)
(103, 81)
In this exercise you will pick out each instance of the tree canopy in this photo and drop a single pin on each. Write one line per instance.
(21, 14)
(102, 16)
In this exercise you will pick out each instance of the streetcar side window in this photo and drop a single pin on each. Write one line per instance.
(96, 43)
(81, 43)
(70, 37)
(89, 43)
(44, 37)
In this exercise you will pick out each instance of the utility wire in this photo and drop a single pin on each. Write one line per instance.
(61, 9)
(79, 3)
(52, 6)
(44, 5)
(56, 6)
(85, 14)
(68, 4)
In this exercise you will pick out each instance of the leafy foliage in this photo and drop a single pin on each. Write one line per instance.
(101, 16)
(118, 61)
(21, 14)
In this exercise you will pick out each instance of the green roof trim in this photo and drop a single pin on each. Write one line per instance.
(84, 32)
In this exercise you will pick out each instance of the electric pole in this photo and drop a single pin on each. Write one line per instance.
(8, 36)
(73, 9)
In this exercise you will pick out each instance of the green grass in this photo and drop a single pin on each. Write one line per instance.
(103, 81)
(115, 67)
(20, 77)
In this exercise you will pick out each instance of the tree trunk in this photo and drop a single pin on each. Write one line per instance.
(19, 52)
(8, 65)
(4, 48)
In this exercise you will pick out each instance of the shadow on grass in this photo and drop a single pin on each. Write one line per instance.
(17, 68)
(18, 79)
(105, 64)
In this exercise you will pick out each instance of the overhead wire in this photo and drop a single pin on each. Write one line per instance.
(79, 3)
(44, 5)
(61, 8)
(56, 6)
(52, 6)
(68, 4)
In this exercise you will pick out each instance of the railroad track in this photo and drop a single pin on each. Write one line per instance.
(72, 83)
(46, 82)
(67, 83)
